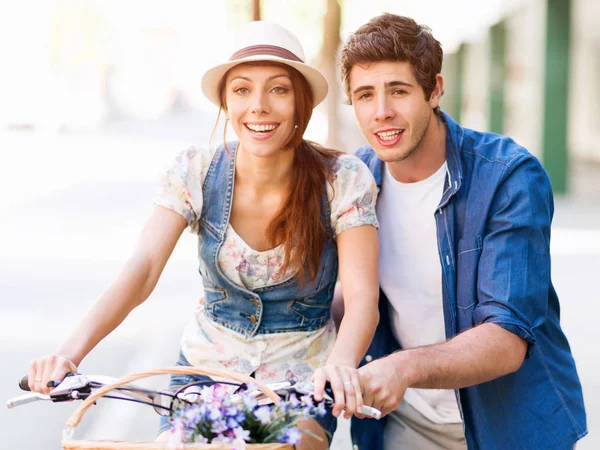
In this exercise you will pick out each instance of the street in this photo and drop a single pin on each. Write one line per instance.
(70, 216)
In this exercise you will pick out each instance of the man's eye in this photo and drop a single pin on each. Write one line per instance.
(365, 96)
(400, 92)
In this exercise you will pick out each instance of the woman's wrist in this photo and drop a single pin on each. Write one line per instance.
(335, 360)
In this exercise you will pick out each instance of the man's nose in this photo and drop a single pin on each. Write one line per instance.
(384, 110)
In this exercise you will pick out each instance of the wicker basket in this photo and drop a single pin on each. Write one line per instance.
(73, 444)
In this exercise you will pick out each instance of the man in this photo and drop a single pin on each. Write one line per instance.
(464, 267)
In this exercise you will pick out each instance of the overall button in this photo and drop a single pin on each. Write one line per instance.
(255, 301)
(252, 318)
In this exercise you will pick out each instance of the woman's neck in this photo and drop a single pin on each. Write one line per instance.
(263, 173)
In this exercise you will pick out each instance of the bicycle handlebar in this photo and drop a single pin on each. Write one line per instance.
(74, 383)
(24, 383)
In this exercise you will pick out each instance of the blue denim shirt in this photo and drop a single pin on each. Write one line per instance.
(493, 232)
(277, 308)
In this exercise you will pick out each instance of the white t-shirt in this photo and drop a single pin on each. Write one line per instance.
(411, 277)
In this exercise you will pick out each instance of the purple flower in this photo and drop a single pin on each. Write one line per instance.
(249, 402)
(232, 423)
(215, 414)
(219, 427)
(293, 401)
(292, 435)
(231, 411)
(307, 412)
(307, 401)
(221, 438)
(192, 415)
(321, 410)
(219, 392)
(263, 414)
(207, 393)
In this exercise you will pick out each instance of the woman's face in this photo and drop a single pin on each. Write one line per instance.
(260, 102)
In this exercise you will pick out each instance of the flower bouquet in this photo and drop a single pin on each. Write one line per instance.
(218, 421)
(239, 420)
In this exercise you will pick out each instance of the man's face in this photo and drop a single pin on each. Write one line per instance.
(390, 108)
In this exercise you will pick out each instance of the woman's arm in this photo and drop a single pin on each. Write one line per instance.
(133, 286)
(358, 253)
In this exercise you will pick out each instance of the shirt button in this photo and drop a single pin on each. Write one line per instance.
(368, 358)
(355, 447)
(255, 362)
(252, 318)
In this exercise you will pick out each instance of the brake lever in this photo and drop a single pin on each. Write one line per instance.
(309, 388)
(24, 399)
(72, 383)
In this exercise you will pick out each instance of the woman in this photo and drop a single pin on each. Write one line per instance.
(275, 216)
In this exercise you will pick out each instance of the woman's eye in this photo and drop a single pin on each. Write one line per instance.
(280, 90)
(241, 90)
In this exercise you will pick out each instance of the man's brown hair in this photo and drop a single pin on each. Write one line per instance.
(389, 37)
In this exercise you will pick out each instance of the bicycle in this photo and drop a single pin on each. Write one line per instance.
(90, 388)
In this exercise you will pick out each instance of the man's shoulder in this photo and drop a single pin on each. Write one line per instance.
(365, 153)
(491, 148)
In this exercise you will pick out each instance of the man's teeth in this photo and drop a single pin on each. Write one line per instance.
(389, 135)
(261, 127)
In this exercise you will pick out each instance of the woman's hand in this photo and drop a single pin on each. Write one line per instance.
(345, 384)
(49, 368)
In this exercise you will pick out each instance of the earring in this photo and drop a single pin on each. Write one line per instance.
(295, 127)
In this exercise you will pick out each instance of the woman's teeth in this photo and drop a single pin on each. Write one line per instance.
(261, 128)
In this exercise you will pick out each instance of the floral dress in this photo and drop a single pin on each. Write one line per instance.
(269, 357)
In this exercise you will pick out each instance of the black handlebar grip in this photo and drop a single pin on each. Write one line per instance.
(24, 383)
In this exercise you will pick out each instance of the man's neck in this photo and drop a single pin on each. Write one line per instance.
(427, 158)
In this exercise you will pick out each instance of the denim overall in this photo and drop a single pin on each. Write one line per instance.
(279, 308)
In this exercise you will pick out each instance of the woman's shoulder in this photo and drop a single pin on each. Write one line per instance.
(196, 155)
(349, 166)
(191, 161)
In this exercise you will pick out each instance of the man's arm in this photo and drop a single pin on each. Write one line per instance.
(480, 354)
(512, 298)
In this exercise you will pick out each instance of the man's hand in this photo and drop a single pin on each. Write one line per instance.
(383, 385)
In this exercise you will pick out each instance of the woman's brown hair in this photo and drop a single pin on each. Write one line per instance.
(298, 223)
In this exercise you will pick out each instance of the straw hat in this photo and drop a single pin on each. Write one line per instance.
(264, 41)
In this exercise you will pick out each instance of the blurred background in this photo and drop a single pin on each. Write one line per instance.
(97, 97)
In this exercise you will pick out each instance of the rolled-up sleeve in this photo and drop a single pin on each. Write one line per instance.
(514, 268)
(180, 186)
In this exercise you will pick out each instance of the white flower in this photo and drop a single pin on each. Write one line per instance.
(176, 437)
(263, 414)
(242, 434)
(238, 444)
